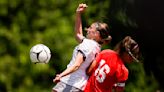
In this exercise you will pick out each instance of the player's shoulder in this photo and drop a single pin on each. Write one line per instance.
(87, 40)
(90, 43)
(108, 52)
(110, 55)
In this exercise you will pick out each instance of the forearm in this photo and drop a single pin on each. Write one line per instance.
(78, 27)
(78, 24)
(75, 66)
(69, 70)
(64, 73)
(118, 89)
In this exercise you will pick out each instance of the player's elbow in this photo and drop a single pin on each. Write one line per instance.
(79, 38)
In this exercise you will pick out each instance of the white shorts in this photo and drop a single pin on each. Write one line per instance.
(62, 87)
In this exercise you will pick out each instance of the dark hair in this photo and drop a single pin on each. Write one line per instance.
(104, 31)
(128, 45)
(103, 28)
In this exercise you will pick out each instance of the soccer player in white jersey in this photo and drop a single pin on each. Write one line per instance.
(74, 78)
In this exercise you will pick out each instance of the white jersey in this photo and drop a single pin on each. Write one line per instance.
(89, 49)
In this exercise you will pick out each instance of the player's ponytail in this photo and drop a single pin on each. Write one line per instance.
(104, 30)
(130, 46)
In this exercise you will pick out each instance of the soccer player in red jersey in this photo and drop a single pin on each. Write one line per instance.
(108, 71)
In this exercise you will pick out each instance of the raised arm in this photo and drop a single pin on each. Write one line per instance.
(78, 23)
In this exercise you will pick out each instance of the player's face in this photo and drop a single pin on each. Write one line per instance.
(92, 33)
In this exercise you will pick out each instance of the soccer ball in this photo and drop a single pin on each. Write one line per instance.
(40, 53)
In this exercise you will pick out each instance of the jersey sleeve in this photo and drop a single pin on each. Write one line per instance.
(122, 76)
(87, 50)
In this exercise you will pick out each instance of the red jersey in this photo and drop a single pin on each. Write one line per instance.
(109, 70)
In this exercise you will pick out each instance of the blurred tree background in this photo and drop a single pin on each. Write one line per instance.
(25, 23)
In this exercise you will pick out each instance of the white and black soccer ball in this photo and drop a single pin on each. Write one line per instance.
(40, 53)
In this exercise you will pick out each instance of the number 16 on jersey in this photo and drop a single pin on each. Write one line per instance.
(101, 72)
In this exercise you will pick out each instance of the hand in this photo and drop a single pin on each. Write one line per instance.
(57, 78)
(81, 8)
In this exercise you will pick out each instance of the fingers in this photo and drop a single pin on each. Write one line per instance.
(57, 78)
(57, 75)
(81, 7)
